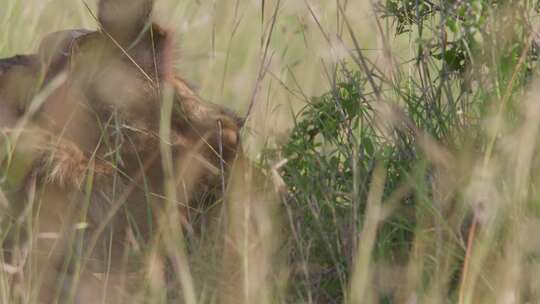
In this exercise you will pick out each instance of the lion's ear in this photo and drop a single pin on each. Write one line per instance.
(124, 19)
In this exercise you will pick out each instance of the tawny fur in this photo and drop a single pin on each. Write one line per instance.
(102, 123)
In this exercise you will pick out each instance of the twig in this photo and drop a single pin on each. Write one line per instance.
(466, 263)
(263, 68)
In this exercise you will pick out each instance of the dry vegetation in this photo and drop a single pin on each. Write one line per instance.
(388, 155)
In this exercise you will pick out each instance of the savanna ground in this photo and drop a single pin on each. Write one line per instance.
(400, 135)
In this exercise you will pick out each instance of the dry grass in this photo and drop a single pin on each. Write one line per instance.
(468, 195)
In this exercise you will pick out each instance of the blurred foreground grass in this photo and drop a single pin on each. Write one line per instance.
(402, 137)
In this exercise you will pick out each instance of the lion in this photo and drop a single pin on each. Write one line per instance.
(106, 142)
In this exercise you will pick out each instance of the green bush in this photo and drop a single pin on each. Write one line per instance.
(471, 58)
